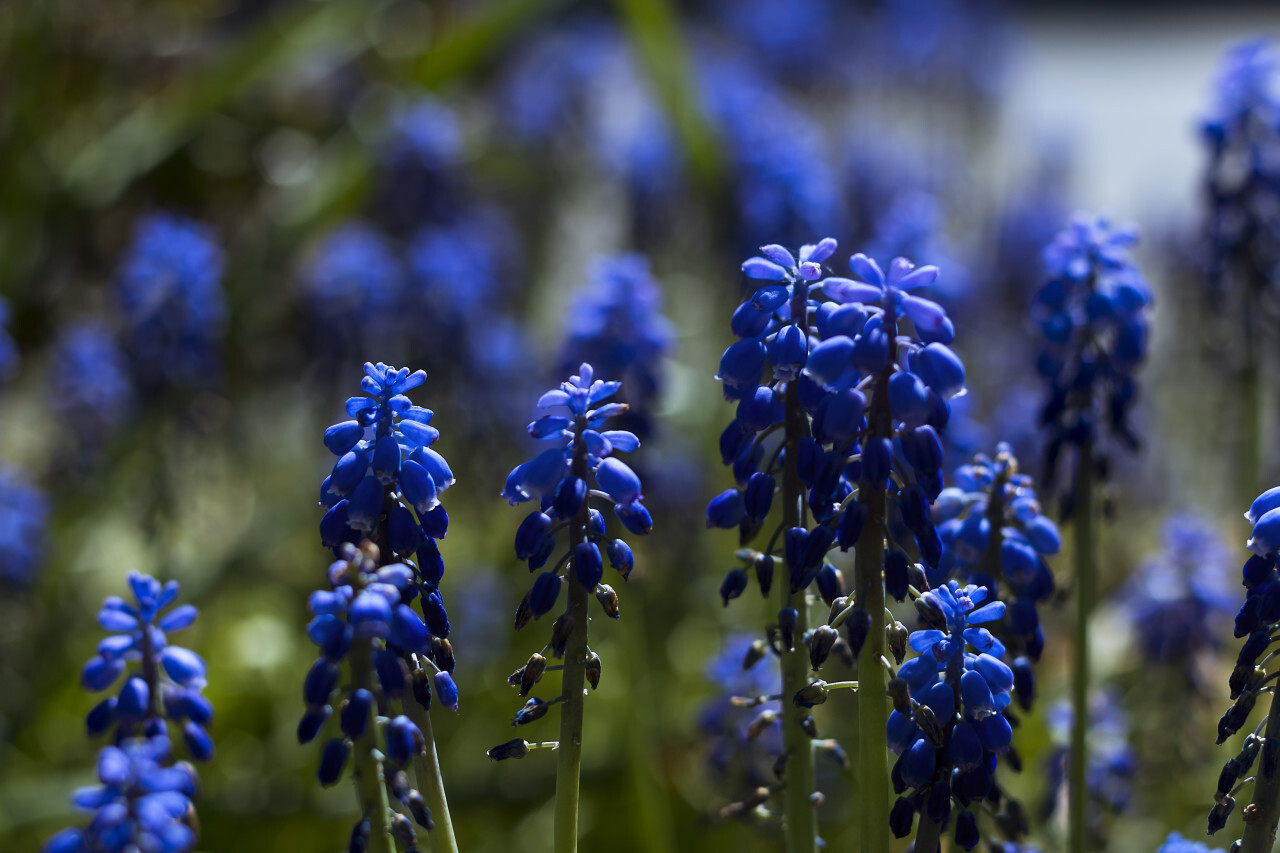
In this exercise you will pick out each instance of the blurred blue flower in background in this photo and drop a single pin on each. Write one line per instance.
(24, 513)
(352, 285)
(90, 387)
(170, 293)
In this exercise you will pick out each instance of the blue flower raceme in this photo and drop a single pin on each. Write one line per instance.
(351, 286)
(616, 326)
(161, 682)
(855, 375)
(1180, 599)
(24, 515)
(144, 801)
(1111, 764)
(579, 466)
(1092, 316)
(170, 292)
(90, 386)
(947, 726)
(994, 534)
(142, 804)
(384, 494)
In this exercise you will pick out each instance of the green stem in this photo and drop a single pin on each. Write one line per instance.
(1084, 558)
(873, 710)
(800, 818)
(928, 835)
(430, 783)
(569, 762)
(1260, 834)
(366, 767)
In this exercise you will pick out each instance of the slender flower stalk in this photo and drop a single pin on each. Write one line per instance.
(384, 493)
(1091, 312)
(560, 479)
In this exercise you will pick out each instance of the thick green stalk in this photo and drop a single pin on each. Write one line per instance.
(873, 709)
(1260, 834)
(569, 763)
(799, 816)
(431, 784)
(367, 769)
(1084, 558)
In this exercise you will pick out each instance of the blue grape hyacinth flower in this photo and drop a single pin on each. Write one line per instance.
(170, 293)
(24, 515)
(1111, 763)
(90, 386)
(161, 681)
(143, 803)
(351, 285)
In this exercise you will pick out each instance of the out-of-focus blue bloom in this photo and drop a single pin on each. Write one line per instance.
(166, 680)
(546, 82)
(630, 135)
(782, 35)
(8, 349)
(352, 285)
(418, 162)
(89, 382)
(1175, 843)
(24, 512)
(1092, 317)
(912, 226)
(1179, 601)
(616, 325)
(1111, 761)
(142, 804)
(991, 498)
(1246, 87)
(170, 292)
(743, 742)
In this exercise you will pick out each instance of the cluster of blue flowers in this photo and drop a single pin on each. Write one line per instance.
(995, 535)
(24, 512)
(1091, 314)
(90, 385)
(144, 800)
(617, 327)
(563, 479)
(170, 294)
(1181, 597)
(947, 727)
(1110, 762)
(166, 681)
(384, 494)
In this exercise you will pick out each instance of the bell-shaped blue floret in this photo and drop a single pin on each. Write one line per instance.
(434, 614)
(320, 681)
(966, 745)
(1266, 534)
(537, 478)
(403, 739)
(182, 665)
(919, 673)
(871, 347)
(342, 437)
(908, 398)
(588, 568)
(446, 690)
(976, 694)
(545, 591)
(356, 713)
(312, 722)
(733, 585)
(756, 409)
(348, 471)
(403, 534)
(877, 460)
(788, 352)
(1043, 535)
(901, 732)
(741, 367)
(727, 509)
(996, 672)
(1262, 504)
(620, 557)
(967, 830)
(386, 459)
(365, 504)
(941, 698)
(529, 535)
(618, 480)
(757, 498)
(941, 369)
(900, 817)
(995, 733)
(918, 763)
(417, 487)
(569, 495)
(895, 574)
(436, 467)
(749, 321)
(333, 758)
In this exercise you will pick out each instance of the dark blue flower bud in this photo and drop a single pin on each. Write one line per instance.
(446, 690)
(102, 717)
(546, 588)
(386, 459)
(434, 614)
(941, 369)
(588, 568)
(517, 748)
(1259, 570)
(391, 672)
(749, 321)
(320, 681)
(966, 745)
(900, 732)
(333, 758)
(634, 517)
(976, 694)
(727, 509)
(1024, 683)
(430, 563)
(919, 673)
(741, 368)
(787, 619)
(852, 519)
(620, 557)
(895, 574)
(99, 673)
(995, 733)
(967, 830)
(764, 573)
(877, 460)
(348, 471)
(436, 523)
(859, 626)
(418, 488)
(404, 740)
(1247, 616)
(941, 699)
(870, 350)
(732, 441)
(901, 816)
(569, 496)
(758, 496)
(355, 713)
(908, 398)
(788, 352)
(403, 534)
(335, 525)
(530, 534)
(198, 741)
(918, 763)
(733, 585)
(311, 723)
(938, 803)
(830, 584)
(756, 409)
